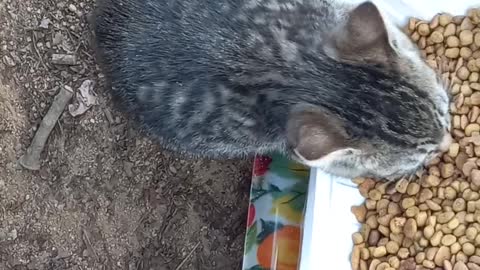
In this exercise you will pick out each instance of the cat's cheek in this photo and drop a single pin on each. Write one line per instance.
(343, 163)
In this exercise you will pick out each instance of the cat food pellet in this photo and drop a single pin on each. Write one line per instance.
(357, 238)
(401, 186)
(455, 147)
(375, 194)
(468, 249)
(360, 212)
(428, 264)
(449, 240)
(475, 259)
(476, 39)
(443, 254)
(392, 247)
(466, 24)
(408, 202)
(412, 23)
(413, 188)
(455, 248)
(379, 252)
(466, 37)
(436, 37)
(472, 66)
(423, 29)
(452, 52)
(465, 52)
(453, 42)
(447, 170)
(472, 128)
(450, 30)
(475, 175)
(475, 98)
(473, 266)
(444, 19)
(460, 266)
(355, 259)
(463, 73)
(436, 238)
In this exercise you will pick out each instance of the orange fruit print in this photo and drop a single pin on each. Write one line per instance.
(280, 250)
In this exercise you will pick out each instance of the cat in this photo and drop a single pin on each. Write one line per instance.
(332, 85)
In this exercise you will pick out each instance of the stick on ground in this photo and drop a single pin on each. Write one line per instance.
(31, 159)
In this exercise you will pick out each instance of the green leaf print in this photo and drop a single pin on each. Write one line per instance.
(297, 190)
(290, 203)
(274, 188)
(288, 169)
(258, 193)
(251, 238)
(297, 203)
(268, 227)
(300, 187)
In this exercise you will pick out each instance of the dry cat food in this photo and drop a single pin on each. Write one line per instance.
(432, 222)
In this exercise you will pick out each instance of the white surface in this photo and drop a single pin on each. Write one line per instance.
(329, 223)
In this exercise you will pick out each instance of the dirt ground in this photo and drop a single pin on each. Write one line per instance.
(106, 196)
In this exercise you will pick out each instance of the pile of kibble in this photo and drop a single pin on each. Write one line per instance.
(432, 222)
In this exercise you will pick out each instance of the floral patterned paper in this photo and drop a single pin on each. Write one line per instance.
(275, 216)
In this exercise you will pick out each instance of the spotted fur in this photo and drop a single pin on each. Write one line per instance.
(311, 78)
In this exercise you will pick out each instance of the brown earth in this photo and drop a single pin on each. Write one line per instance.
(106, 196)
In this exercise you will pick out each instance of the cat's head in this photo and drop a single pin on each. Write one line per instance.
(397, 121)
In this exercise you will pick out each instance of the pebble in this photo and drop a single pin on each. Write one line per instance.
(13, 234)
(44, 23)
(128, 166)
(3, 235)
(9, 61)
(72, 8)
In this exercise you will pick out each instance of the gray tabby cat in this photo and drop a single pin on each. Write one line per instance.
(338, 87)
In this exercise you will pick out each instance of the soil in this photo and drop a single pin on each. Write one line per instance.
(106, 196)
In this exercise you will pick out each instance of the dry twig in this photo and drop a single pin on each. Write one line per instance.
(31, 159)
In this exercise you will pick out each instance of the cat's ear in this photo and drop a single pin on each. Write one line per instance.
(313, 135)
(363, 38)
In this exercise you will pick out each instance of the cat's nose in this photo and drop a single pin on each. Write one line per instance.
(445, 143)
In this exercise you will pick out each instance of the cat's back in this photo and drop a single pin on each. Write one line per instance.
(209, 32)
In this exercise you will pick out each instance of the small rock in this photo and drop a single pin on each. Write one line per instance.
(8, 61)
(3, 235)
(109, 116)
(72, 8)
(172, 169)
(64, 59)
(128, 166)
(63, 254)
(13, 234)
(57, 38)
(44, 23)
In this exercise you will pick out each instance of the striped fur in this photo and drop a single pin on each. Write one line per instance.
(231, 78)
